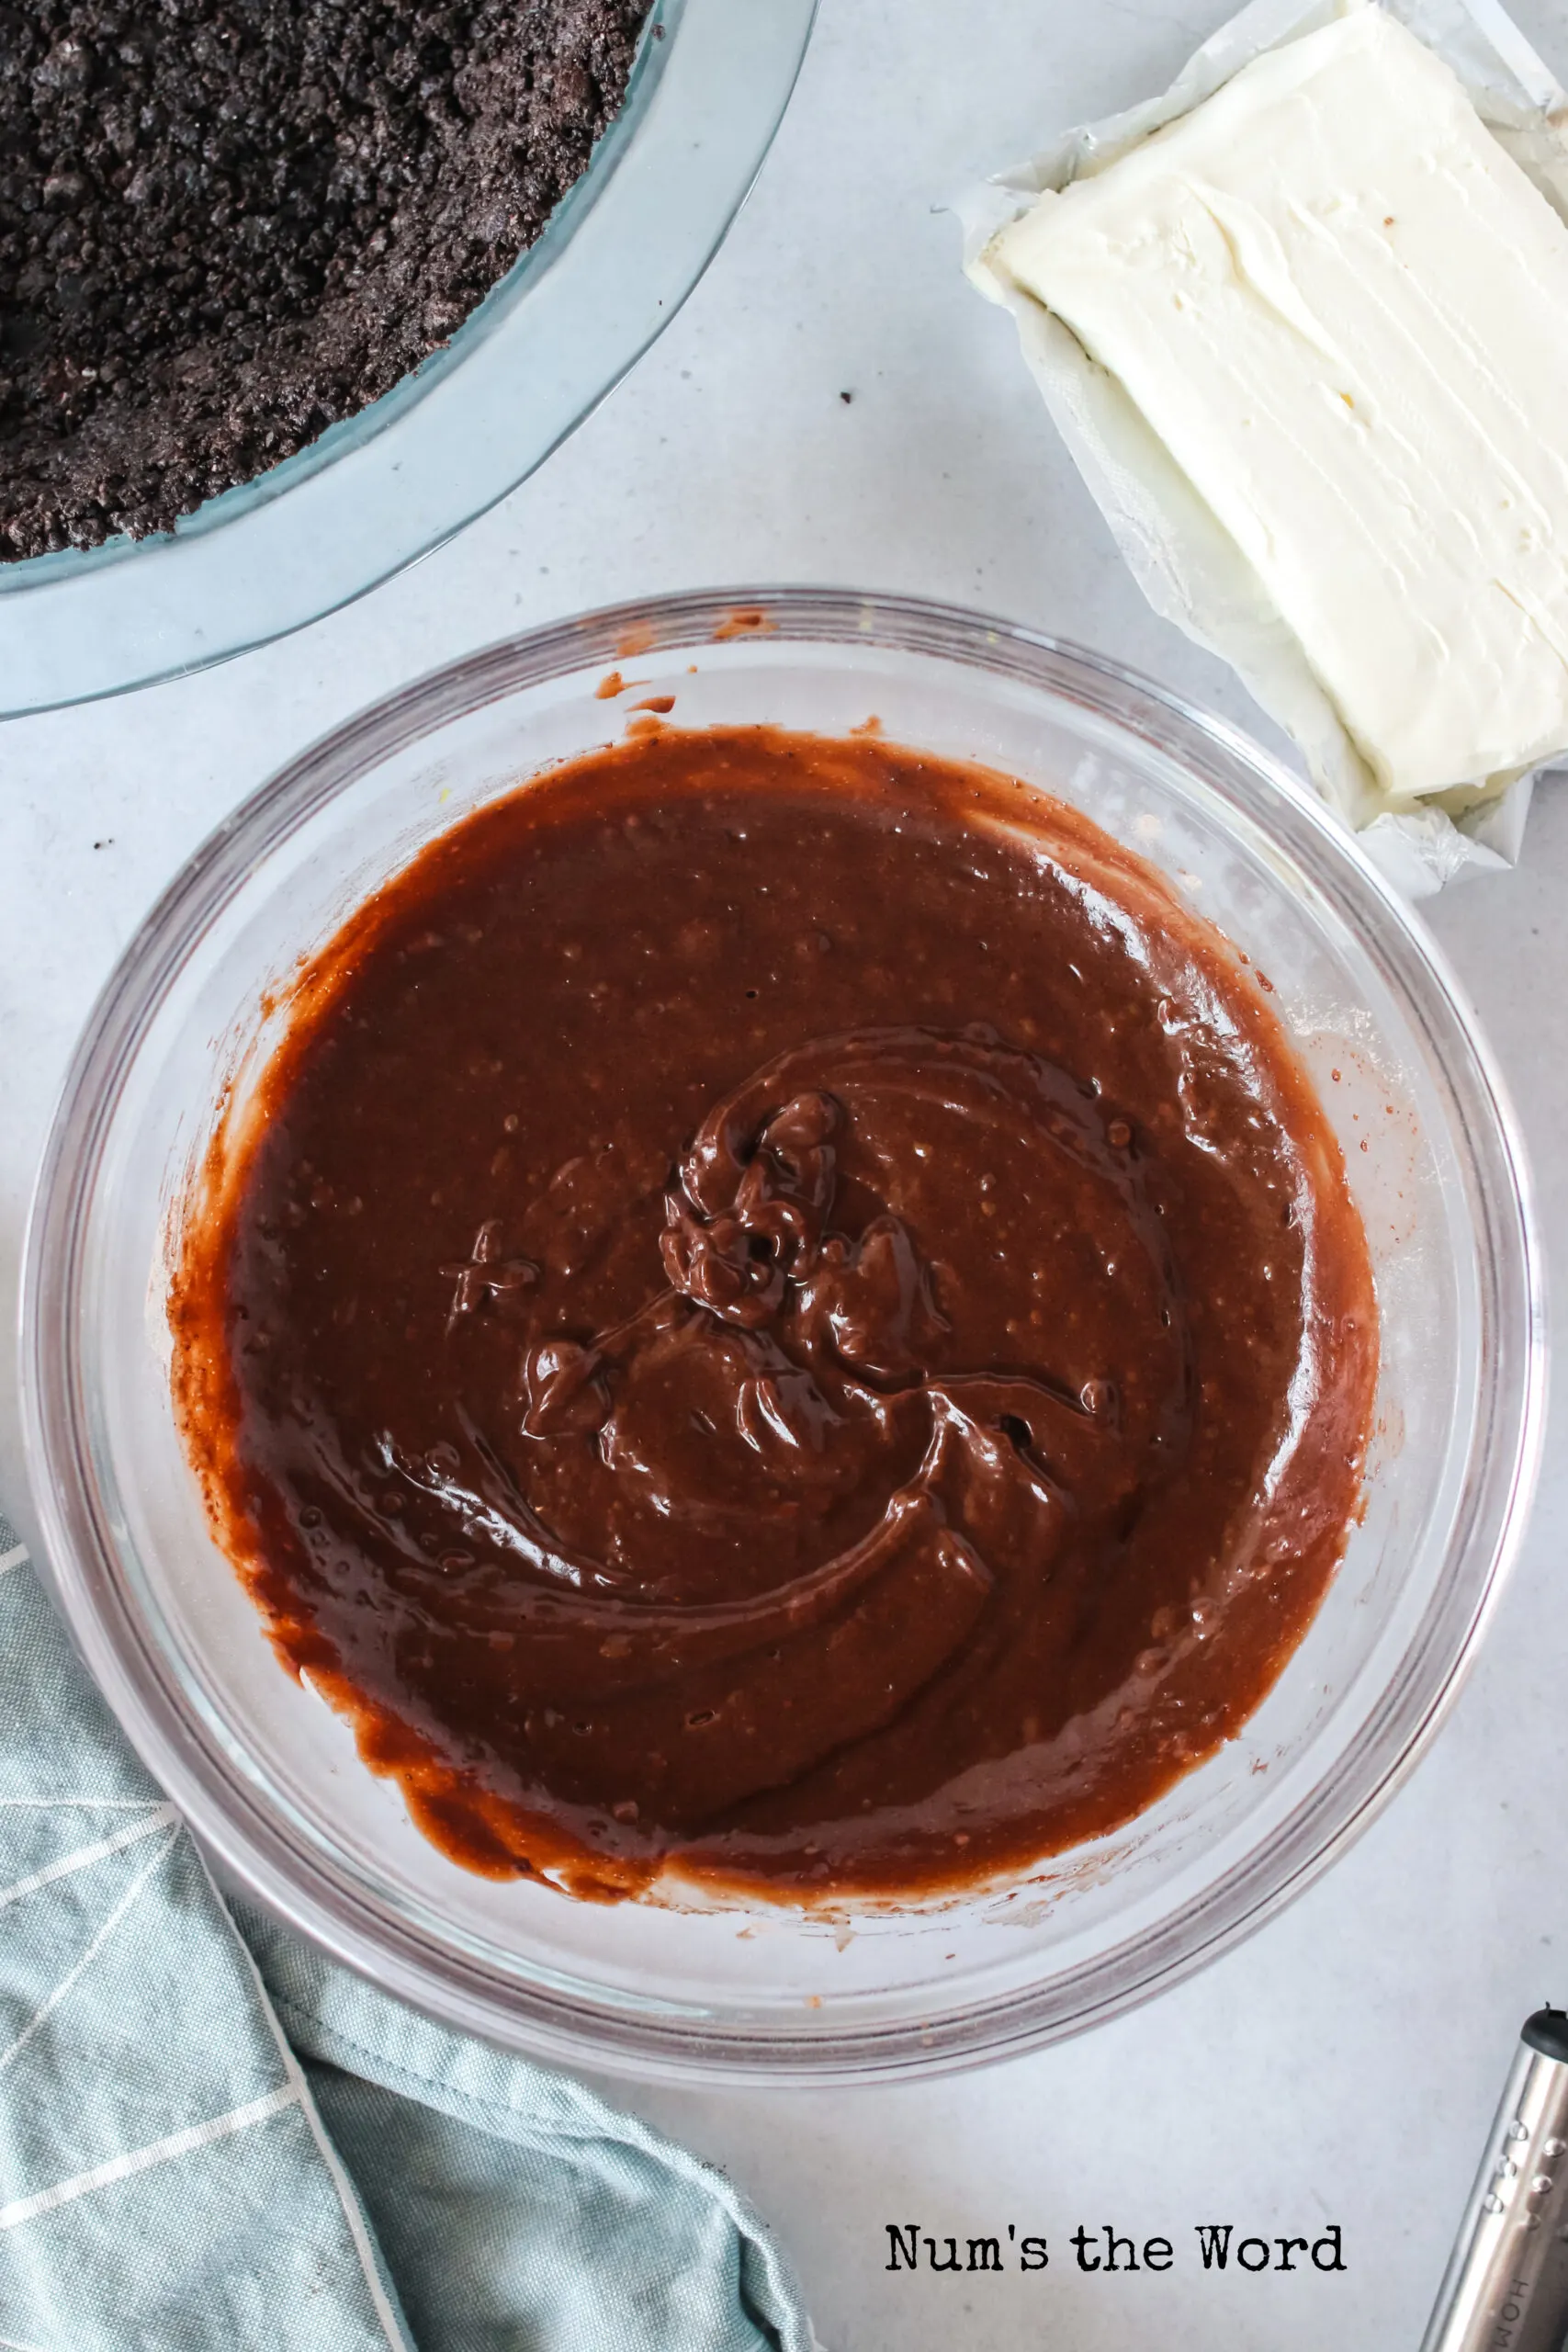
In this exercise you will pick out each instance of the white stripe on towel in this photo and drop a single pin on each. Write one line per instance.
(105, 1804)
(105, 1932)
(177, 2143)
(13, 1558)
(158, 1818)
(348, 2196)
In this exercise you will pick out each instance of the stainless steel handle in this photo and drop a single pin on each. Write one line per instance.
(1507, 2285)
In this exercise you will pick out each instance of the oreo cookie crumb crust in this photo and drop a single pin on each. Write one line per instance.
(226, 224)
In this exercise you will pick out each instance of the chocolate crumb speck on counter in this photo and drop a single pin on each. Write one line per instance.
(227, 224)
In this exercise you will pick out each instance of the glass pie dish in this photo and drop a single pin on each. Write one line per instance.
(619, 255)
(269, 1778)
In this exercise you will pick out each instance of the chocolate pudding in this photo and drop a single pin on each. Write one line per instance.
(785, 1313)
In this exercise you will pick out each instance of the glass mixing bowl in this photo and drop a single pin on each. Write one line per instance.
(270, 1778)
(618, 257)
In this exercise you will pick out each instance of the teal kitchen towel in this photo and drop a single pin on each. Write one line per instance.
(213, 2140)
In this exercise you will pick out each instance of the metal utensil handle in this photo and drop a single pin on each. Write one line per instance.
(1507, 2285)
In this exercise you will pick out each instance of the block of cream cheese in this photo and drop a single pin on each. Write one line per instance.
(1344, 310)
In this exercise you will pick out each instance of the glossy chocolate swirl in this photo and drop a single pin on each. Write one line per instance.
(853, 1463)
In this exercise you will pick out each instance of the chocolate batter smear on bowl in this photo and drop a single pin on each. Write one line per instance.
(228, 224)
(786, 1314)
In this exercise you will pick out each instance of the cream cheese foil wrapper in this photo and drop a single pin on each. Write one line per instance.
(1188, 566)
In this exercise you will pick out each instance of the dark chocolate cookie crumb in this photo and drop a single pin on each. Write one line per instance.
(226, 224)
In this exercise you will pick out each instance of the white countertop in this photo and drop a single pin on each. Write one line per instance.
(1342, 2066)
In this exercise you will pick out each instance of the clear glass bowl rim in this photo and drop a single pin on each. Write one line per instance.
(254, 1848)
